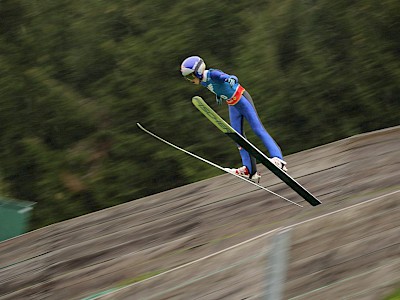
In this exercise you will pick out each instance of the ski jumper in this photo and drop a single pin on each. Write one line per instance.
(241, 107)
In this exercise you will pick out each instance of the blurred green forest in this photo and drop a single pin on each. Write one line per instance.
(76, 77)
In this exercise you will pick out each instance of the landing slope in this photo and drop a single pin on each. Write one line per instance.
(152, 235)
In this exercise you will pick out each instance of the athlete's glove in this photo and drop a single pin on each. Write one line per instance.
(231, 80)
(218, 99)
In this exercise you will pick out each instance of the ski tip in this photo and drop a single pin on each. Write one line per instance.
(140, 126)
(197, 98)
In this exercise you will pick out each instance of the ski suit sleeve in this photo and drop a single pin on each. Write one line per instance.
(219, 76)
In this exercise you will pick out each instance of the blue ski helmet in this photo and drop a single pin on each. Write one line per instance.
(193, 66)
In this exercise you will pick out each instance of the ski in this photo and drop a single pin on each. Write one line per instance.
(220, 123)
(212, 164)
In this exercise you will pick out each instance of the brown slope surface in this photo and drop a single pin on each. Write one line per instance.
(352, 253)
(99, 251)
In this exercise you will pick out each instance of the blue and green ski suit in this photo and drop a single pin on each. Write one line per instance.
(241, 106)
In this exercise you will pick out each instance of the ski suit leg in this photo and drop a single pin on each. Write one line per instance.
(236, 119)
(247, 109)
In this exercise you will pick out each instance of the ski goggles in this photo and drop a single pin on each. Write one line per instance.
(190, 77)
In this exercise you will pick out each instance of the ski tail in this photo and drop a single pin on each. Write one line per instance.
(213, 164)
